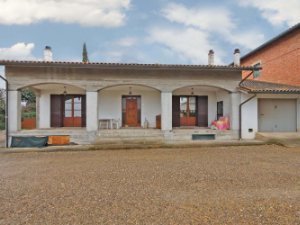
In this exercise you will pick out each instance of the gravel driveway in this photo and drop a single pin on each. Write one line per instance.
(229, 185)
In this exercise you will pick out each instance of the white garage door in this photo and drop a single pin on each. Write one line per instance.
(277, 115)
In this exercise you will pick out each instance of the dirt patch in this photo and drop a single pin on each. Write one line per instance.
(224, 185)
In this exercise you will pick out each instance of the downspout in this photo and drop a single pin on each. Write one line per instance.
(6, 110)
(244, 102)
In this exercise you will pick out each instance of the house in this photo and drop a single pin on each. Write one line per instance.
(275, 107)
(95, 101)
(279, 58)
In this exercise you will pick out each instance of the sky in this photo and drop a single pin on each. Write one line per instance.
(141, 31)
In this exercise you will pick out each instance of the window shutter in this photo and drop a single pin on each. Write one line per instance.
(176, 111)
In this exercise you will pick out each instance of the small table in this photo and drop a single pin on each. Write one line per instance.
(109, 123)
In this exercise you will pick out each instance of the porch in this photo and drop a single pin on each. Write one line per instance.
(132, 113)
(133, 135)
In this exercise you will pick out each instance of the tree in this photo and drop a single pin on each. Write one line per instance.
(28, 95)
(85, 57)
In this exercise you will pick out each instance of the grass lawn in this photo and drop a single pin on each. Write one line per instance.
(225, 185)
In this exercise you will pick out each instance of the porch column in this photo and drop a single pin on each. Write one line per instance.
(37, 108)
(14, 111)
(235, 102)
(44, 111)
(91, 110)
(166, 111)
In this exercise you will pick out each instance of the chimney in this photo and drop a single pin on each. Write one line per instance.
(48, 54)
(211, 55)
(237, 57)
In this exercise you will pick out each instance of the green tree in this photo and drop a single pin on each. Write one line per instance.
(28, 95)
(85, 57)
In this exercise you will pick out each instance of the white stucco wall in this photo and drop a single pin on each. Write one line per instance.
(91, 111)
(110, 104)
(235, 100)
(45, 110)
(166, 111)
(14, 111)
(249, 117)
(225, 97)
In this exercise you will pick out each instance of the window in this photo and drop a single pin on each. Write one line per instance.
(188, 111)
(257, 73)
(219, 109)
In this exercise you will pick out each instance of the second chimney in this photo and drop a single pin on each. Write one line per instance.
(211, 56)
(48, 56)
(236, 57)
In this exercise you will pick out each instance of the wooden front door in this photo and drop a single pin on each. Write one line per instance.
(131, 111)
(68, 111)
(73, 111)
(188, 111)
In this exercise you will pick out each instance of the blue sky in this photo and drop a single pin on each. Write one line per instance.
(156, 31)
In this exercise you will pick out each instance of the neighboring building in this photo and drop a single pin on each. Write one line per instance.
(84, 100)
(279, 58)
(275, 107)
(272, 108)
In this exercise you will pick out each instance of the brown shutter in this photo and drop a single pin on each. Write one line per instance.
(56, 110)
(202, 111)
(176, 111)
(83, 111)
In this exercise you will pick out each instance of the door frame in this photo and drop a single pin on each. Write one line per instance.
(62, 109)
(176, 113)
(196, 109)
(139, 109)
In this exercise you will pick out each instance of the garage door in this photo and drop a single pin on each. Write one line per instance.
(277, 115)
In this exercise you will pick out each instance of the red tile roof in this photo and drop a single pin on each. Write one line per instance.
(253, 86)
(122, 65)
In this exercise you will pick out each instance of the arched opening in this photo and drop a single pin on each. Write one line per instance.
(200, 106)
(52, 105)
(130, 106)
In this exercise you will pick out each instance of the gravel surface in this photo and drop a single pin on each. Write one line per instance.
(227, 185)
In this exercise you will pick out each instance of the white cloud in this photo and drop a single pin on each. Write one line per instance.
(19, 51)
(277, 12)
(127, 41)
(199, 30)
(209, 19)
(248, 39)
(106, 13)
(190, 43)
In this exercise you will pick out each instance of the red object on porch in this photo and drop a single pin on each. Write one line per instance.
(28, 123)
(221, 124)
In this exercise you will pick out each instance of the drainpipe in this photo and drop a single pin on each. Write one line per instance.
(6, 110)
